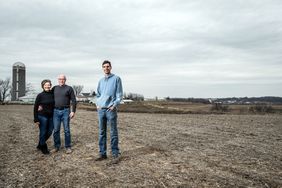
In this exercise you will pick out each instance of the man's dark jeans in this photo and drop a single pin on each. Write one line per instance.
(59, 117)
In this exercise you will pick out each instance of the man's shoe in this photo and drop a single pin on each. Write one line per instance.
(68, 151)
(116, 159)
(101, 158)
(54, 150)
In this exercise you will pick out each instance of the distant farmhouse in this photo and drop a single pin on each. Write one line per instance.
(86, 97)
(28, 99)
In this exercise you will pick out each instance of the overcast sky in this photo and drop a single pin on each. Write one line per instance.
(176, 48)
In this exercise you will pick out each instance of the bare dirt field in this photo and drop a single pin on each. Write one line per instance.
(158, 150)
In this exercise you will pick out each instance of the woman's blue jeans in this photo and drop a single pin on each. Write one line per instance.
(45, 128)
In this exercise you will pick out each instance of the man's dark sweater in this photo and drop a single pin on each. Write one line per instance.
(46, 101)
(64, 97)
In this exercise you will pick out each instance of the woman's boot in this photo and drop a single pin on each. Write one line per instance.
(44, 149)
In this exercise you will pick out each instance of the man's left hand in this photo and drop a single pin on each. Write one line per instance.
(71, 115)
(112, 108)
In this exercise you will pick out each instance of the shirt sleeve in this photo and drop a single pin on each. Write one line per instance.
(98, 94)
(119, 92)
(73, 100)
(35, 108)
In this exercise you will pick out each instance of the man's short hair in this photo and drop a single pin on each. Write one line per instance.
(107, 62)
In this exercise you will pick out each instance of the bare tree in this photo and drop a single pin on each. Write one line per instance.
(5, 87)
(133, 96)
(92, 92)
(77, 89)
(29, 89)
(1, 82)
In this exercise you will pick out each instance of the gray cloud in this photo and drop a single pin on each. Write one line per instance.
(159, 48)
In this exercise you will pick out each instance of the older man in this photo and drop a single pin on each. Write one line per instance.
(65, 106)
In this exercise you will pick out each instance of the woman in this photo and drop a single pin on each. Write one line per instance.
(43, 114)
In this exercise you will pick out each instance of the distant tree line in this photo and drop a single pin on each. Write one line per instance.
(79, 88)
(133, 96)
(192, 100)
(252, 100)
(234, 100)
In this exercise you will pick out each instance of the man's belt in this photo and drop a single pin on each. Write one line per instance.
(62, 107)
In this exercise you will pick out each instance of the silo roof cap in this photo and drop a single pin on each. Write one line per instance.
(18, 64)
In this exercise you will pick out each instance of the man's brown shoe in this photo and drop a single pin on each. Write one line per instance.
(116, 159)
(68, 151)
(101, 158)
(55, 150)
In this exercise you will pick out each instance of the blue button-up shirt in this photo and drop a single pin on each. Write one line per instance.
(109, 91)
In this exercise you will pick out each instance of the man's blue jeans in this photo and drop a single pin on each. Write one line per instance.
(58, 117)
(105, 116)
(45, 129)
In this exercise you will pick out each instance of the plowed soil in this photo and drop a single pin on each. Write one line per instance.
(157, 150)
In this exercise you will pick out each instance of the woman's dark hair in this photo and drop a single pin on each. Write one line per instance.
(44, 82)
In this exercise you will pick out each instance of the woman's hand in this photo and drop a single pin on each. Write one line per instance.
(37, 124)
(40, 108)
